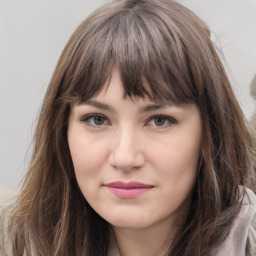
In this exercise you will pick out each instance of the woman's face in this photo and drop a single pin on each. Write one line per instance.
(135, 160)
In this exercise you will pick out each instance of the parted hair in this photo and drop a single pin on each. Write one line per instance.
(163, 51)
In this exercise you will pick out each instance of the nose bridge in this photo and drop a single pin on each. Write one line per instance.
(126, 151)
(126, 137)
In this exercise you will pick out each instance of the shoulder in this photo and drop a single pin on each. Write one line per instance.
(241, 240)
(7, 197)
(251, 237)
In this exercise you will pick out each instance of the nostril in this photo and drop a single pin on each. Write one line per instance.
(123, 161)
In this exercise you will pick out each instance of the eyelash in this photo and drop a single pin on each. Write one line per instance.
(168, 119)
(86, 119)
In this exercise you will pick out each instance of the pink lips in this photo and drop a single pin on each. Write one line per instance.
(128, 190)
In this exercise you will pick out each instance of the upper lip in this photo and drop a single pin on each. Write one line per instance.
(132, 184)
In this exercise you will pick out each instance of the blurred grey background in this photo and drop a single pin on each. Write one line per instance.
(33, 34)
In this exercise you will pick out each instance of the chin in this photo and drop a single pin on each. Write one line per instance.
(129, 221)
(129, 224)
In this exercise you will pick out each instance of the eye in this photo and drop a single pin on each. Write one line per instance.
(161, 121)
(95, 120)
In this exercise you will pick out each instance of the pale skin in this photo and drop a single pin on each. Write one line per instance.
(112, 138)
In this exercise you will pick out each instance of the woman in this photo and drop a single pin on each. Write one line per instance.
(141, 147)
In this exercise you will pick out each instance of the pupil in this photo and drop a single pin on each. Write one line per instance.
(98, 120)
(159, 121)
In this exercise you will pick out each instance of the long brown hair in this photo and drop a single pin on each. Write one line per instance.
(162, 51)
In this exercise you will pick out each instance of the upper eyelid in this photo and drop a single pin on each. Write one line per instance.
(163, 116)
(151, 117)
(92, 115)
(169, 121)
(84, 118)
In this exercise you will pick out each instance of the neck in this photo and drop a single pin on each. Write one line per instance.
(151, 241)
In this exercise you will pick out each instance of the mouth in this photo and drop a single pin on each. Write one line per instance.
(128, 190)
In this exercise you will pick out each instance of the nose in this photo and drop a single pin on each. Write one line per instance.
(126, 152)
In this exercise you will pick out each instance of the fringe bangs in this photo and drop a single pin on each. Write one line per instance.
(152, 63)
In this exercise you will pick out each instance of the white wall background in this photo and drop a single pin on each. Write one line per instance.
(33, 34)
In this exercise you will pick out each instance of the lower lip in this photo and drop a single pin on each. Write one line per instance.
(128, 192)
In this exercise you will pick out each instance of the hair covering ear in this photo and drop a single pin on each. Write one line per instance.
(253, 87)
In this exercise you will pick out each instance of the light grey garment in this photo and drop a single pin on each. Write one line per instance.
(241, 240)
(251, 241)
(7, 197)
(253, 87)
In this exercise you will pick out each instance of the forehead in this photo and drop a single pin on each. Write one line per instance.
(115, 80)
(113, 89)
(112, 98)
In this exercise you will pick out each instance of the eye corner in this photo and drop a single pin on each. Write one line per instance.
(95, 120)
(161, 121)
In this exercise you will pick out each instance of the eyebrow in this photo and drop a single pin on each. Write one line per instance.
(155, 106)
(144, 109)
(99, 105)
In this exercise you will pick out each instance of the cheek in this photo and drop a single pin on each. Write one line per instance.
(88, 155)
(177, 154)
(176, 159)
(88, 159)
(177, 171)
